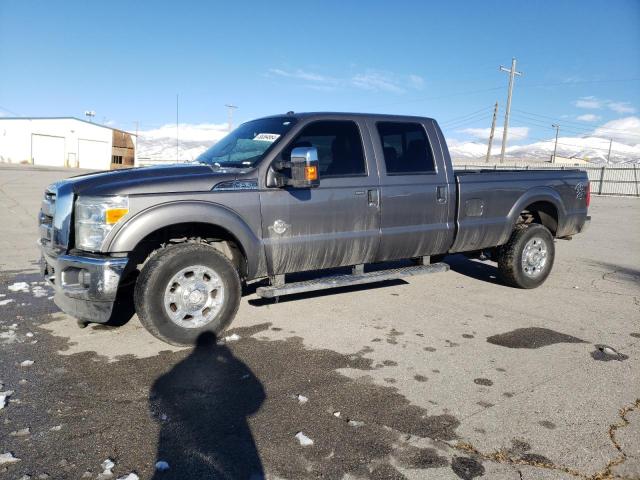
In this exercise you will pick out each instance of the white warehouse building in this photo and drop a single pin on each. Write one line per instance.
(65, 142)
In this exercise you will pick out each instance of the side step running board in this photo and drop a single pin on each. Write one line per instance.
(336, 281)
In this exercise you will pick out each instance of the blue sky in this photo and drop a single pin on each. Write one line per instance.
(127, 60)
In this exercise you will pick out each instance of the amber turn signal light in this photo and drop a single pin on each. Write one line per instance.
(311, 173)
(114, 214)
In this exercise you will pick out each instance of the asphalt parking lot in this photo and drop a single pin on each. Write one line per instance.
(445, 376)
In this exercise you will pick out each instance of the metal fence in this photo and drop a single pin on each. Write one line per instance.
(605, 180)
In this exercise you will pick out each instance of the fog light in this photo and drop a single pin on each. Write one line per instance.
(84, 278)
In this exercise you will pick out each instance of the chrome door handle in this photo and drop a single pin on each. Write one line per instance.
(441, 194)
(374, 197)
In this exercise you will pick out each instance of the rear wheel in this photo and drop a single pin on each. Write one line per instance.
(186, 290)
(525, 261)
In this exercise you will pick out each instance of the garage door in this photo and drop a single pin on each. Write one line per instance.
(94, 154)
(47, 150)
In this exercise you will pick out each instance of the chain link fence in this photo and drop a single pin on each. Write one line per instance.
(605, 180)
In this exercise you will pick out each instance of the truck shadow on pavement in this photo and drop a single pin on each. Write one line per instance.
(202, 405)
(473, 268)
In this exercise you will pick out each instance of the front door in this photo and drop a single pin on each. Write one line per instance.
(335, 224)
(415, 194)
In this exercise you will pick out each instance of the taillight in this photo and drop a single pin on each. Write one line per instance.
(588, 198)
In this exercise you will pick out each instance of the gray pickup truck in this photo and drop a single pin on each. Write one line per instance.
(300, 192)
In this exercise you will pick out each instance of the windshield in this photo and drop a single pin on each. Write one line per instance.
(247, 144)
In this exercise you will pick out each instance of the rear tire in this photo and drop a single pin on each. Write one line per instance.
(525, 261)
(186, 290)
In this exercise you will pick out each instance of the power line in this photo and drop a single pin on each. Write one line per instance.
(466, 121)
(453, 120)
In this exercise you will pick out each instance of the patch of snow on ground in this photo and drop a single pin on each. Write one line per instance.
(130, 476)
(6, 302)
(4, 397)
(302, 399)
(19, 287)
(39, 291)
(232, 338)
(26, 363)
(304, 440)
(8, 458)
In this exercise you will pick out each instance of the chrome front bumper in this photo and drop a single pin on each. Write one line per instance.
(85, 287)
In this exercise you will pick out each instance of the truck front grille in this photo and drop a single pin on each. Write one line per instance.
(45, 219)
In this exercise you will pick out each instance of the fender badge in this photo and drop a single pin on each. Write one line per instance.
(279, 227)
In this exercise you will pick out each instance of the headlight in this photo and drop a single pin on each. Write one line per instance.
(95, 217)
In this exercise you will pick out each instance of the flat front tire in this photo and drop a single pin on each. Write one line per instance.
(185, 290)
(525, 261)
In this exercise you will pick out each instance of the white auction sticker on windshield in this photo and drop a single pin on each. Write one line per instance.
(267, 137)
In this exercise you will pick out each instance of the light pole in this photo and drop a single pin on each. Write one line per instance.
(230, 109)
(555, 148)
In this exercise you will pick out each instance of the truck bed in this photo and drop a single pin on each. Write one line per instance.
(489, 202)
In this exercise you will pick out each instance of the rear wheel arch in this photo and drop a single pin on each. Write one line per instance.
(543, 212)
(539, 205)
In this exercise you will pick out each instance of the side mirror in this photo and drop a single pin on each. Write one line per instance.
(303, 169)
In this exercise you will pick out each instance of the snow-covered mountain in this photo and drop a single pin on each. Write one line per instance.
(594, 149)
(159, 145)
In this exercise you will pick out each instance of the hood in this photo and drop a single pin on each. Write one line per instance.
(158, 179)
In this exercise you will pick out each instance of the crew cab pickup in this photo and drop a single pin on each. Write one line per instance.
(300, 192)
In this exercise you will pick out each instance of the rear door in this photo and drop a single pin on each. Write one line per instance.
(335, 224)
(415, 195)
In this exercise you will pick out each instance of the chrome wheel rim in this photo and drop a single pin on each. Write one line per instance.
(534, 257)
(194, 296)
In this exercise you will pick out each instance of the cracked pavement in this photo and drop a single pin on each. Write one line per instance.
(446, 376)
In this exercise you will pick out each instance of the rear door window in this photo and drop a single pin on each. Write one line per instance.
(406, 148)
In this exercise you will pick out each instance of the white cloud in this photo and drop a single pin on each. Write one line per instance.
(416, 81)
(304, 75)
(621, 107)
(588, 117)
(371, 80)
(376, 81)
(588, 102)
(483, 133)
(625, 130)
(594, 103)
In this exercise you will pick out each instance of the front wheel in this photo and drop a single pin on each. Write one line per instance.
(525, 261)
(186, 290)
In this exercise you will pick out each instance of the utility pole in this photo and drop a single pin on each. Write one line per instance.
(609, 154)
(230, 109)
(512, 73)
(493, 129)
(555, 148)
(177, 142)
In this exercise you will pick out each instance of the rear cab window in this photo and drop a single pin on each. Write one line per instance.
(406, 148)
